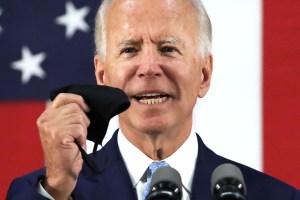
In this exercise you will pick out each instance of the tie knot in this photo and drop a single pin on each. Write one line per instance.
(156, 165)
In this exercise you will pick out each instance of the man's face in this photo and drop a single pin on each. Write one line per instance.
(152, 54)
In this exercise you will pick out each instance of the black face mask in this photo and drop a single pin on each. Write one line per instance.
(104, 103)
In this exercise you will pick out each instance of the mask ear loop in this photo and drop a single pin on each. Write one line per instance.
(88, 160)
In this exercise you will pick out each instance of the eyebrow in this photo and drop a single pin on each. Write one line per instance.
(128, 42)
(168, 40)
(138, 42)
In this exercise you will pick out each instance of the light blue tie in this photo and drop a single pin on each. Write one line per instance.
(151, 169)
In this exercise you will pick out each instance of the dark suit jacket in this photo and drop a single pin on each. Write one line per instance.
(113, 183)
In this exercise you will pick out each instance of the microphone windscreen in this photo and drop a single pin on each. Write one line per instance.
(227, 171)
(166, 184)
(168, 174)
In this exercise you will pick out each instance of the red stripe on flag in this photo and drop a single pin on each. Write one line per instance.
(21, 151)
(281, 90)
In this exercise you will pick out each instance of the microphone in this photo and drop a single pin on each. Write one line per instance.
(166, 185)
(227, 183)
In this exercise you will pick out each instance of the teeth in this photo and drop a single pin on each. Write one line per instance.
(149, 95)
(153, 100)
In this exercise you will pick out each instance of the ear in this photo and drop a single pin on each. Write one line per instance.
(206, 74)
(99, 70)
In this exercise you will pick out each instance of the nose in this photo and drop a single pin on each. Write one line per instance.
(149, 64)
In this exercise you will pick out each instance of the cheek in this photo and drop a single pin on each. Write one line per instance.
(118, 75)
(108, 76)
(193, 80)
(192, 72)
(113, 79)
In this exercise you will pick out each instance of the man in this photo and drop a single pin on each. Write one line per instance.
(158, 52)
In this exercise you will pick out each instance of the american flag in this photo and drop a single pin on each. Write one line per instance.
(43, 45)
(49, 44)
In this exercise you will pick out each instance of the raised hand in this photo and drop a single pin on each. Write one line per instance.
(63, 122)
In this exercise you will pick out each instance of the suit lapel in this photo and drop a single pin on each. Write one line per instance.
(114, 181)
(207, 161)
(117, 182)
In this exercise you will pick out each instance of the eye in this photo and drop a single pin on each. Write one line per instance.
(129, 50)
(168, 50)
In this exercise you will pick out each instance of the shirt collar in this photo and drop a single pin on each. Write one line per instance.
(183, 160)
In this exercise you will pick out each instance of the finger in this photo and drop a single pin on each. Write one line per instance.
(77, 118)
(73, 114)
(66, 98)
(75, 132)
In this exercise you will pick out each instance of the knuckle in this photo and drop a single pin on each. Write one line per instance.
(61, 96)
(80, 99)
(80, 118)
(88, 121)
(81, 129)
(74, 107)
(83, 119)
(41, 119)
(41, 124)
(58, 99)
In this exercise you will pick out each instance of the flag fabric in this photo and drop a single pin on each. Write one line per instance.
(49, 44)
(281, 89)
(43, 45)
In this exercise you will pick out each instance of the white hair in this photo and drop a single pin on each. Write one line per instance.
(204, 26)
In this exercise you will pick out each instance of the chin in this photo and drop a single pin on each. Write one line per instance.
(145, 123)
(153, 127)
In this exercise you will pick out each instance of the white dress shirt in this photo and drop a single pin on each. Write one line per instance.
(183, 160)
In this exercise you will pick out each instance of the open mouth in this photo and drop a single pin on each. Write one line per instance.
(151, 98)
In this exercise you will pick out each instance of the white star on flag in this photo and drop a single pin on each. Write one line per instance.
(1, 29)
(30, 65)
(73, 19)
